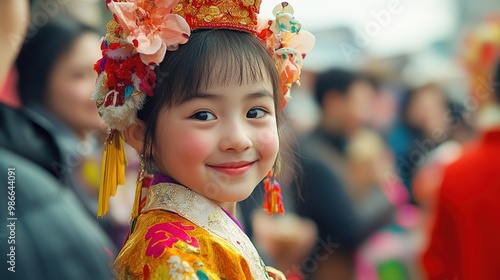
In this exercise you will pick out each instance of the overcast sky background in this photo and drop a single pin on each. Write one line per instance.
(417, 25)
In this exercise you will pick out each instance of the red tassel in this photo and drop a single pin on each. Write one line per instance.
(272, 198)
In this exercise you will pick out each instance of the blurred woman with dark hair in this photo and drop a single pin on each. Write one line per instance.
(54, 237)
(424, 123)
(58, 63)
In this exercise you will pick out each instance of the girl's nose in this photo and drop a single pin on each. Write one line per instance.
(235, 138)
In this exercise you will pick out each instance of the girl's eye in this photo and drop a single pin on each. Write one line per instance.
(203, 116)
(256, 113)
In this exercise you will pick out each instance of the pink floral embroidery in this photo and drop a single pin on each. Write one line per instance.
(165, 235)
(151, 27)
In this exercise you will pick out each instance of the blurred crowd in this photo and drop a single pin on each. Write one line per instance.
(395, 178)
(398, 166)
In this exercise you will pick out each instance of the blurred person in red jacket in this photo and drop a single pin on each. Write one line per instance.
(463, 239)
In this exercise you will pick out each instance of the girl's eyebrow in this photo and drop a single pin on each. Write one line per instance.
(204, 95)
(211, 96)
(259, 94)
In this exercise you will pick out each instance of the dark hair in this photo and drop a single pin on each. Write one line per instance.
(496, 82)
(338, 80)
(197, 64)
(413, 93)
(40, 52)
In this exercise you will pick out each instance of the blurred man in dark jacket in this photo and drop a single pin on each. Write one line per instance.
(345, 213)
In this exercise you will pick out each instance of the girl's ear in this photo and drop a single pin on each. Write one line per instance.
(134, 135)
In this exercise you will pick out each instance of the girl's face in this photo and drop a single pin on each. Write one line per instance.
(222, 142)
(71, 84)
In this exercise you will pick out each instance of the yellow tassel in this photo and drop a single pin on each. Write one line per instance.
(137, 200)
(138, 189)
(112, 170)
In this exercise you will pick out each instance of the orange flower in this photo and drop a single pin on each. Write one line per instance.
(288, 44)
(151, 27)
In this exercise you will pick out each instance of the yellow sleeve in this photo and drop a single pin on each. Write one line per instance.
(164, 245)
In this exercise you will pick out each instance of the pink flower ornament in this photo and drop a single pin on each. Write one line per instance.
(150, 27)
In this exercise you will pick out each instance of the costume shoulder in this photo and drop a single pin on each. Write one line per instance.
(165, 245)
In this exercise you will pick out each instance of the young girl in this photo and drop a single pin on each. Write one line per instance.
(205, 117)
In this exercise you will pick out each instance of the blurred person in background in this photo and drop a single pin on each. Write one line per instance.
(461, 229)
(422, 125)
(56, 81)
(390, 252)
(341, 194)
(463, 239)
(425, 182)
(51, 237)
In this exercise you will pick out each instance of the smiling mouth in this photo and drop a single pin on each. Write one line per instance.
(233, 168)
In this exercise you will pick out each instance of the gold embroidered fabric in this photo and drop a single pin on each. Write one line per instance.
(238, 15)
(183, 234)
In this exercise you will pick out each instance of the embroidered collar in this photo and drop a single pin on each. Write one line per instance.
(159, 178)
(206, 214)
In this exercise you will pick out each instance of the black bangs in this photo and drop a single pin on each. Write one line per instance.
(212, 57)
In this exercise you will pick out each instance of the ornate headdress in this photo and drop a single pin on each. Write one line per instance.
(481, 51)
(137, 39)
